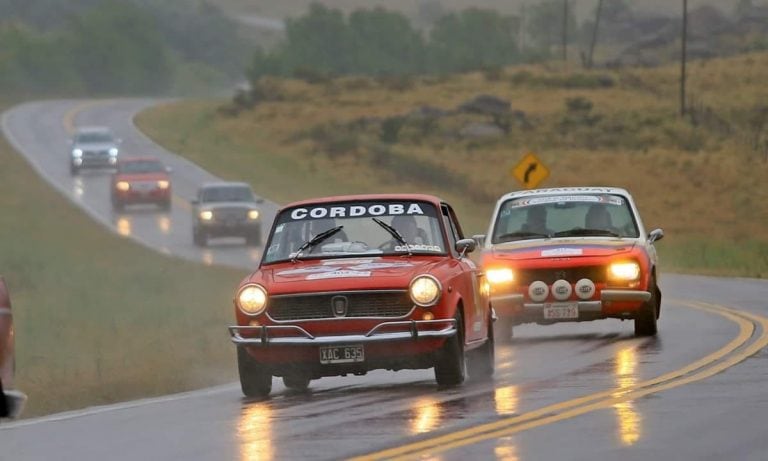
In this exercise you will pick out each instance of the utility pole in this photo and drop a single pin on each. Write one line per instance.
(565, 30)
(683, 58)
(594, 34)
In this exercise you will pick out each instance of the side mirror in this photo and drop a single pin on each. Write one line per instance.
(655, 235)
(480, 239)
(465, 246)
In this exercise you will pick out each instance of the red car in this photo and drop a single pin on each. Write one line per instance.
(356, 283)
(569, 255)
(141, 180)
(11, 401)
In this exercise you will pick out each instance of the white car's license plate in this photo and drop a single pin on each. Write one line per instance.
(561, 311)
(341, 354)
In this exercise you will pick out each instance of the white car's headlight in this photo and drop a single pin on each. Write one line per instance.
(252, 299)
(77, 153)
(206, 215)
(425, 290)
(113, 151)
(253, 214)
(500, 276)
(624, 271)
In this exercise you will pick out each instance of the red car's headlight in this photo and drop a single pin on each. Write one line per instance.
(252, 299)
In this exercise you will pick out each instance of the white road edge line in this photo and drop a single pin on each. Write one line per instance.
(120, 406)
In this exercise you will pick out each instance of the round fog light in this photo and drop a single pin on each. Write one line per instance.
(585, 288)
(538, 291)
(562, 290)
(428, 316)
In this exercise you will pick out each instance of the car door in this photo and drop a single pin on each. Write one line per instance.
(473, 279)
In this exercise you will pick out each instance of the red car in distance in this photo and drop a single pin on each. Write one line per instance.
(356, 283)
(141, 180)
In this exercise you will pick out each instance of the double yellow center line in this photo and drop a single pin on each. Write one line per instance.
(729, 355)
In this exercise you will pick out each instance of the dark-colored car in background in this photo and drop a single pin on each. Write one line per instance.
(358, 283)
(11, 400)
(226, 209)
(93, 147)
(141, 180)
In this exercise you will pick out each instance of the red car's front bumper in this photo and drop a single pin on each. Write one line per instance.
(149, 196)
(390, 345)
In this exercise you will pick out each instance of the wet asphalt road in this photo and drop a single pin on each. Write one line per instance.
(686, 415)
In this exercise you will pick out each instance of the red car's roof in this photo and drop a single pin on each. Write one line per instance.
(367, 198)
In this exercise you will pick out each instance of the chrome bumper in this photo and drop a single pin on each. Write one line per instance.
(517, 300)
(411, 330)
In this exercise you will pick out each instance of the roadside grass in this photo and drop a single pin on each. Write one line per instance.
(702, 182)
(99, 318)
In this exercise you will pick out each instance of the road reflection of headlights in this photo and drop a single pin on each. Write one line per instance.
(113, 151)
(624, 271)
(77, 153)
(206, 215)
(163, 184)
(253, 214)
(500, 276)
(252, 299)
(123, 186)
(425, 290)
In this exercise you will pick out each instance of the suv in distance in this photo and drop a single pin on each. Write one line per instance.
(93, 147)
(226, 209)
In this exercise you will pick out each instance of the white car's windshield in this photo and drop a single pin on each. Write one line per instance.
(95, 138)
(416, 222)
(551, 216)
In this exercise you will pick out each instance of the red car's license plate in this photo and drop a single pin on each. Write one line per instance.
(561, 311)
(341, 354)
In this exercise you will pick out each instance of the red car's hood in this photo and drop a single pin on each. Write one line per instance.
(562, 248)
(348, 274)
(136, 177)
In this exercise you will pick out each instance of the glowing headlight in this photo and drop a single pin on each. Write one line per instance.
(77, 153)
(624, 271)
(252, 299)
(425, 290)
(123, 186)
(499, 276)
(206, 215)
(113, 151)
(253, 214)
(163, 184)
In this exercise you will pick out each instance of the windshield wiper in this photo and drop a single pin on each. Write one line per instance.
(315, 240)
(580, 231)
(394, 233)
(519, 235)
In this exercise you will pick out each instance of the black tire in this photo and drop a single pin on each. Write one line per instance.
(645, 322)
(296, 382)
(451, 363)
(504, 327)
(199, 238)
(254, 380)
(482, 361)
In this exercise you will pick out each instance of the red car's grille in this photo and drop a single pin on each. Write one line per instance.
(572, 274)
(329, 305)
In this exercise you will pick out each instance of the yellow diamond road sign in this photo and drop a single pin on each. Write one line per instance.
(530, 171)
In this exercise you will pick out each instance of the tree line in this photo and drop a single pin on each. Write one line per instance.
(51, 47)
